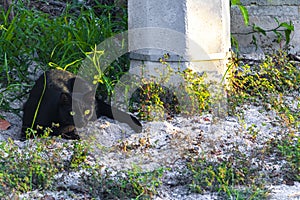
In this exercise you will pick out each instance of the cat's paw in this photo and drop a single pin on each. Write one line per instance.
(69, 133)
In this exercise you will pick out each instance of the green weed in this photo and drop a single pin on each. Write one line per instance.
(158, 98)
(230, 178)
(28, 169)
(290, 149)
(131, 184)
(266, 83)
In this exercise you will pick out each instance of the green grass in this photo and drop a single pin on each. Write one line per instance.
(36, 40)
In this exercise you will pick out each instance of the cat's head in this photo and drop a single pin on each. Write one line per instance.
(76, 109)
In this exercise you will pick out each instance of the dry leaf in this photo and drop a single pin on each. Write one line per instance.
(206, 119)
(4, 125)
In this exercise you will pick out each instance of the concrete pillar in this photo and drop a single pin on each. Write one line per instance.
(195, 33)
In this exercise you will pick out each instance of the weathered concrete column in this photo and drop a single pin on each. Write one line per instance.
(195, 33)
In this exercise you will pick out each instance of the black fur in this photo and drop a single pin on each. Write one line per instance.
(56, 111)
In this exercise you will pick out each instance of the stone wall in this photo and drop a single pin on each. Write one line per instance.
(263, 14)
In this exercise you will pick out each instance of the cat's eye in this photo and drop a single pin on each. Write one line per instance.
(87, 112)
(55, 125)
(72, 113)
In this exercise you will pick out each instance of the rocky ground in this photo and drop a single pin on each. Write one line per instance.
(170, 144)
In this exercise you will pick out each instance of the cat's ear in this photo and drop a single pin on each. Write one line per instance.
(64, 99)
(71, 82)
(78, 85)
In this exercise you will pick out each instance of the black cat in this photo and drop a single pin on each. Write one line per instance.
(54, 102)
